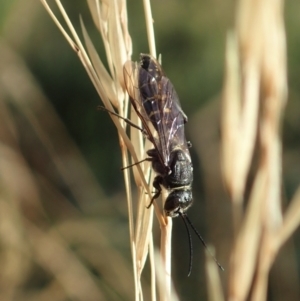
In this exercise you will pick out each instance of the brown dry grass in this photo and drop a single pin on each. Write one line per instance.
(64, 253)
(255, 95)
(111, 20)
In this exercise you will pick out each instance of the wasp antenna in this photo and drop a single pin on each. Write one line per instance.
(203, 242)
(183, 216)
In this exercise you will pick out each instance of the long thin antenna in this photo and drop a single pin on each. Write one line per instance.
(183, 216)
(202, 240)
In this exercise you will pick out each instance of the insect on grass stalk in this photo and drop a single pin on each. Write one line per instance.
(111, 21)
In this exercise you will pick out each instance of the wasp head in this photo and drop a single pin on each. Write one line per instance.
(178, 202)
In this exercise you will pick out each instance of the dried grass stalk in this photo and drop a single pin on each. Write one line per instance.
(255, 94)
(214, 286)
(22, 211)
(110, 18)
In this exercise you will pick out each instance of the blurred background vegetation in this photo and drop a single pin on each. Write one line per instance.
(63, 216)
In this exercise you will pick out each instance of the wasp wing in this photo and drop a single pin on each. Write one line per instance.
(155, 100)
(161, 104)
(131, 72)
(173, 119)
(166, 115)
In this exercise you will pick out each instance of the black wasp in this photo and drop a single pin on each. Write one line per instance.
(156, 103)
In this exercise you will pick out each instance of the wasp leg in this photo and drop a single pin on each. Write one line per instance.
(158, 180)
(136, 163)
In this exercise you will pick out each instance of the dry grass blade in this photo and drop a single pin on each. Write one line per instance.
(53, 254)
(166, 292)
(34, 111)
(97, 79)
(254, 98)
(117, 45)
(263, 90)
(165, 222)
(291, 219)
(143, 228)
(111, 21)
(15, 262)
(116, 38)
(214, 286)
(149, 26)
(273, 87)
(74, 233)
(244, 254)
(107, 81)
(230, 109)
(165, 253)
(110, 18)
(240, 107)
(26, 248)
